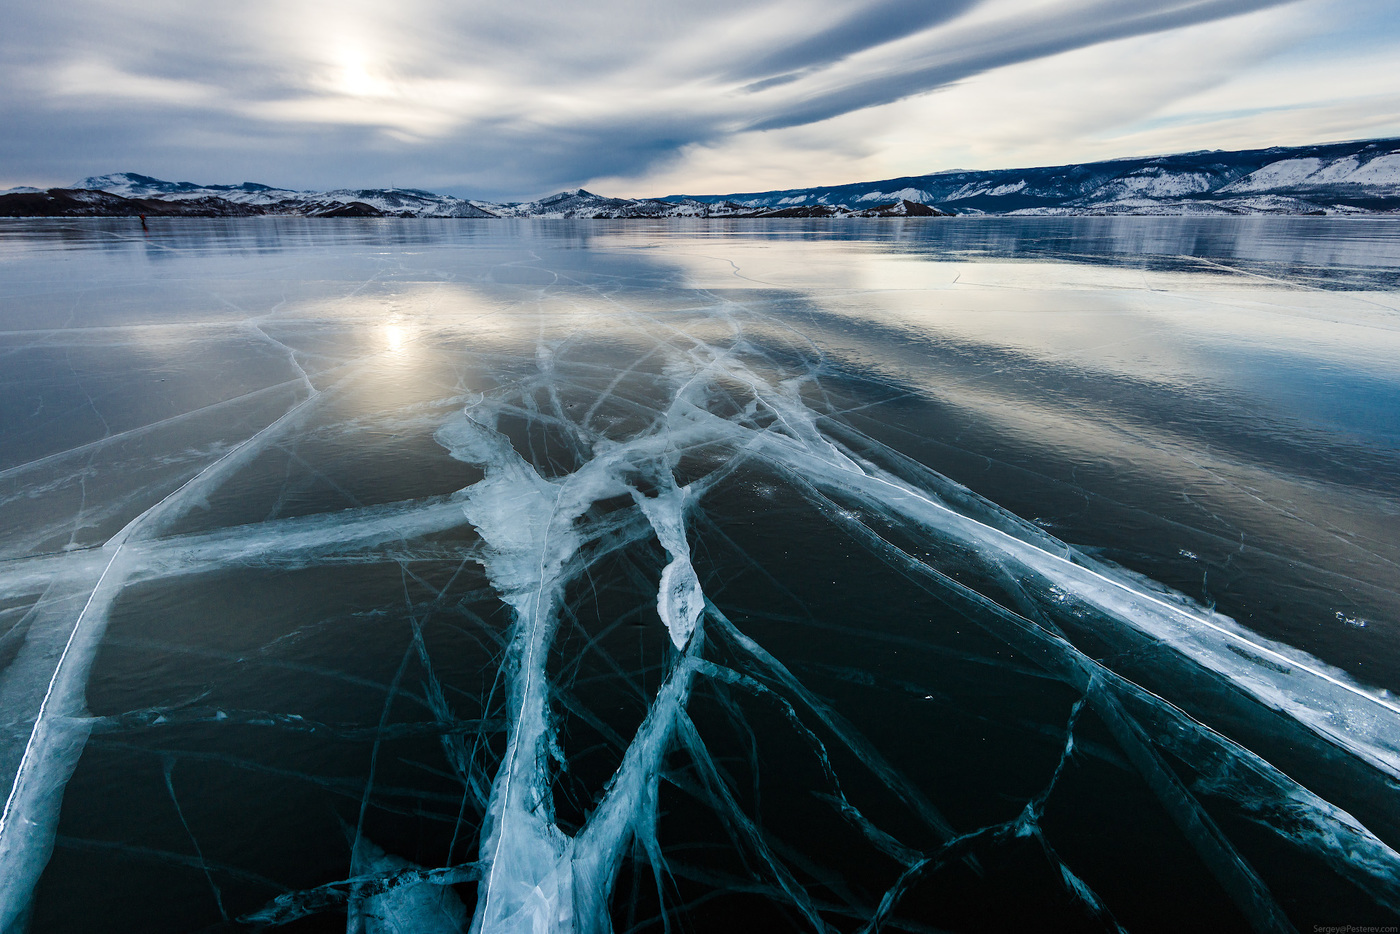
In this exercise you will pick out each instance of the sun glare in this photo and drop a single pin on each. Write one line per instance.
(357, 77)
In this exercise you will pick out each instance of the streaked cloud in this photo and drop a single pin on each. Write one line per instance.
(517, 99)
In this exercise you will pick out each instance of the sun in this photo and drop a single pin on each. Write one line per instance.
(358, 76)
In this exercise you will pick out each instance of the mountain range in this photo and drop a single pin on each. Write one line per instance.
(1333, 178)
(1330, 178)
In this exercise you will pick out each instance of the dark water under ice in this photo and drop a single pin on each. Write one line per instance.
(978, 575)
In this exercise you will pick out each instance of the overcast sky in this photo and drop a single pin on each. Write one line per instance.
(648, 97)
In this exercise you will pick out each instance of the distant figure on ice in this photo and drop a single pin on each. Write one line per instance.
(143, 222)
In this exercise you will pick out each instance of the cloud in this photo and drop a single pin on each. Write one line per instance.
(502, 100)
(870, 26)
(1144, 94)
(1022, 35)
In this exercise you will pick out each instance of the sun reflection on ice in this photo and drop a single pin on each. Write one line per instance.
(394, 338)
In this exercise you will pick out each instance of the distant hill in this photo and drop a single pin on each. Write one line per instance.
(1331, 178)
(358, 202)
(127, 194)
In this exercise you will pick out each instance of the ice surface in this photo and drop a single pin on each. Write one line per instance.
(575, 595)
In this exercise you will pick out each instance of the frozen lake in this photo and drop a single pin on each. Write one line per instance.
(981, 574)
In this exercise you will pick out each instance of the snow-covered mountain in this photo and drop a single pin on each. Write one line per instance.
(383, 202)
(394, 202)
(132, 185)
(580, 203)
(1332, 178)
(127, 193)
